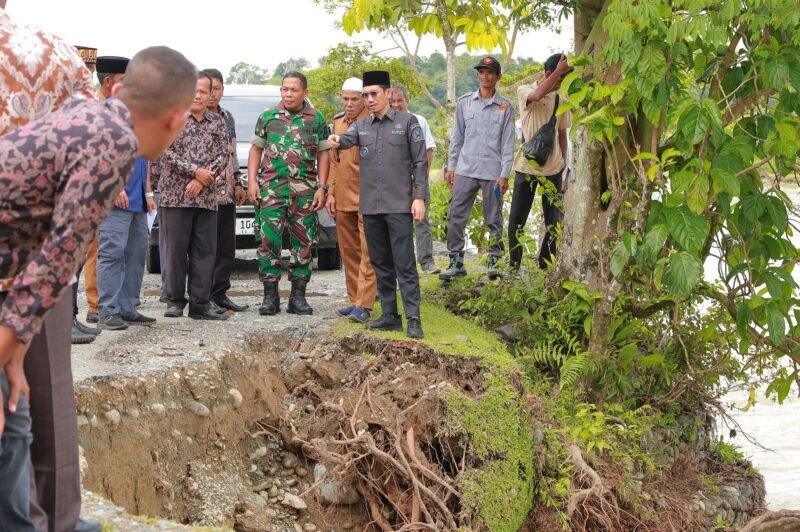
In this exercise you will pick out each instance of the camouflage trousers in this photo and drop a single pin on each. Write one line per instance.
(276, 212)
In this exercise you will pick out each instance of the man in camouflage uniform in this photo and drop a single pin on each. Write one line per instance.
(289, 153)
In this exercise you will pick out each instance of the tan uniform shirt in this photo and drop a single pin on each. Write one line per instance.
(343, 176)
(534, 116)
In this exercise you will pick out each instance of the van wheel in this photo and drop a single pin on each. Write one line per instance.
(153, 259)
(329, 259)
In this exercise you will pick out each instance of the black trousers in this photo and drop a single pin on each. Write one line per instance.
(190, 244)
(521, 203)
(390, 240)
(75, 292)
(226, 250)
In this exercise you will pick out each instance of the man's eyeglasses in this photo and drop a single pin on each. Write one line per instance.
(371, 94)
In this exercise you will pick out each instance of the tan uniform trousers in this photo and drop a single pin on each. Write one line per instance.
(358, 272)
(90, 276)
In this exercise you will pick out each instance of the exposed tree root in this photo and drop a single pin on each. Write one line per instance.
(778, 521)
(592, 505)
(402, 490)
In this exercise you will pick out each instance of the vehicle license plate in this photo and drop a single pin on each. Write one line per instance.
(244, 226)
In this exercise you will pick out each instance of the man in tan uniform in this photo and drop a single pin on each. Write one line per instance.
(342, 204)
(537, 104)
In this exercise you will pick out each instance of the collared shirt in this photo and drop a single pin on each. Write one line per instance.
(202, 144)
(393, 161)
(343, 175)
(290, 143)
(482, 145)
(136, 186)
(59, 176)
(38, 73)
(430, 142)
(534, 116)
(227, 182)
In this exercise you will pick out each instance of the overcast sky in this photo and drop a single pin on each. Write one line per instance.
(263, 33)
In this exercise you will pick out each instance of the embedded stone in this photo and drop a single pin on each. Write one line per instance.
(236, 397)
(258, 453)
(113, 416)
(158, 408)
(199, 409)
(293, 501)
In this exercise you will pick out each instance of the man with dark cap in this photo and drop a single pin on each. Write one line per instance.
(110, 71)
(51, 212)
(537, 104)
(394, 187)
(481, 153)
(123, 234)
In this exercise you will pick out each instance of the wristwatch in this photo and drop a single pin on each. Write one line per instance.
(324, 186)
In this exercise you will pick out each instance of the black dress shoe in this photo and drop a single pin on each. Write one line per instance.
(139, 319)
(173, 311)
(87, 525)
(414, 328)
(387, 322)
(85, 329)
(226, 303)
(216, 309)
(207, 314)
(92, 317)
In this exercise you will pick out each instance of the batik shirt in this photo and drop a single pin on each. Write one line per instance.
(290, 143)
(59, 176)
(202, 144)
(226, 182)
(38, 73)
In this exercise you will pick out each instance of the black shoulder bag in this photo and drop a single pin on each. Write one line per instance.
(539, 147)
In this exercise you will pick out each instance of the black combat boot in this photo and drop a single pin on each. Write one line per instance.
(297, 299)
(414, 328)
(389, 321)
(271, 304)
(456, 268)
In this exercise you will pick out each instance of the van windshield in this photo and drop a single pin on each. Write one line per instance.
(246, 110)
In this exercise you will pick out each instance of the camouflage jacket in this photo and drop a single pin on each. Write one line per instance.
(290, 144)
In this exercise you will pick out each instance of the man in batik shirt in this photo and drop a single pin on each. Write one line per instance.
(188, 207)
(284, 189)
(230, 193)
(58, 178)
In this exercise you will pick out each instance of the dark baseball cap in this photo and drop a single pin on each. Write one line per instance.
(489, 62)
(552, 62)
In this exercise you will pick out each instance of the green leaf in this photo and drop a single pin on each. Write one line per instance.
(778, 215)
(697, 195)
(682, 273)
(742, 321)
(619, 256)
(776, 323)
(689, 230)
(754, 205)
(725, 181)
(694, 124)
(654, 241)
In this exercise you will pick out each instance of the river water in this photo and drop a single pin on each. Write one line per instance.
(774, 426)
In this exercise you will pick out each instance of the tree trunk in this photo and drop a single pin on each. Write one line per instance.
(450, 48)
(584, 217)
(591, 229)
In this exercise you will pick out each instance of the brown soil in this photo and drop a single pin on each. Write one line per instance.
(181, 445)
